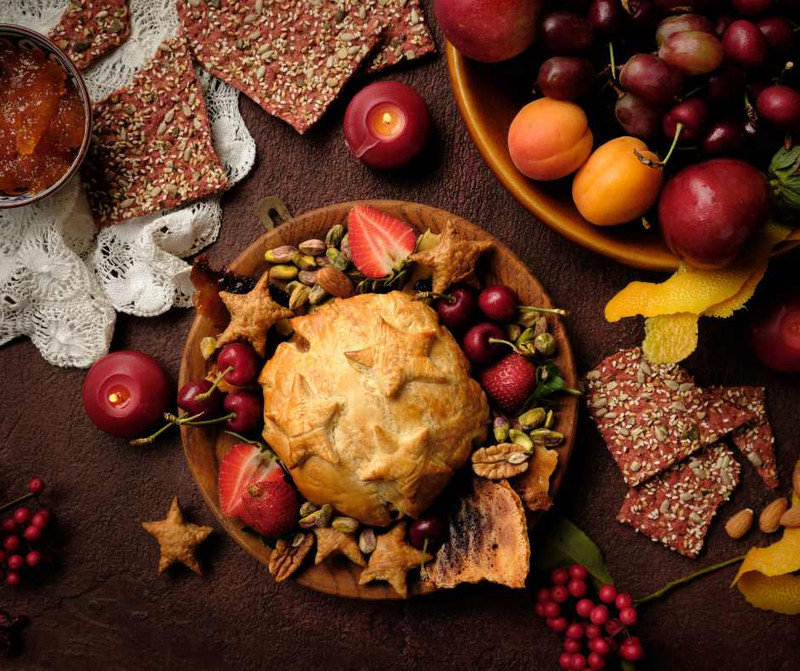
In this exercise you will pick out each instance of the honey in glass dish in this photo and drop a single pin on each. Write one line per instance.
(41, 119)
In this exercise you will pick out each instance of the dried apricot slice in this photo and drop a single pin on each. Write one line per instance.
(670, 338)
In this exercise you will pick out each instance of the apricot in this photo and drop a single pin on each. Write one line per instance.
(614, 186)
(549, 139)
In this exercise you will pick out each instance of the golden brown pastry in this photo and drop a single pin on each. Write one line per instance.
(371, 406)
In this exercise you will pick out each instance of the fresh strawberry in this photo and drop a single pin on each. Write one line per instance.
(509, 382)
(270, 507)
(242, 465)
(379, 243)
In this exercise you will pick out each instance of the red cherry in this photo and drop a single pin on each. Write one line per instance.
(631, 650)
(607, 593)
(600, 646)
(13, 578)
(242, 358)
(33, 558)
(596, 661)
(623, 600)
(557, 624)
(11, 543)
(499, 303)
(775, 335)
(599, 615)
(559, 576)
(564, 660)
(36, 486)
(41, 518)
(187, 398)
(458, 310)
(572, 645)
(593, 631)
(575, 631)
(551, 609)
(538, 608)
(16, 562)
(577, 588)
(543, 595)
(2, 557)
(8, 524)
(559, 594)
(578, 572)
(613, 627)
(428, 527)
(477, 346)
(578, 662)
(22, 515)
(584, 607)
(249, 409)
(32, 533)
(628, 616)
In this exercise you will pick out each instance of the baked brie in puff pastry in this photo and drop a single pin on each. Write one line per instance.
(371, 406)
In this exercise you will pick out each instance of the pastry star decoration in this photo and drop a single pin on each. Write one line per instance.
(397, 358)
(307, 422)
(252, 315)
(392, 559)
(330, 541)
(178, 539)
(401, 460)
(452, 260)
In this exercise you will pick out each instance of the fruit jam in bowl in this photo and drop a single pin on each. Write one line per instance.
(46, 118)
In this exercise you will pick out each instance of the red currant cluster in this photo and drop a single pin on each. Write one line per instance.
(592, 626)
(20, 535)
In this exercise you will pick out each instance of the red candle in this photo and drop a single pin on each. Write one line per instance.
(386, 125)
(126, 393)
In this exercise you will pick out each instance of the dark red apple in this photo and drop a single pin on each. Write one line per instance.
(488, 30)
(709, 210)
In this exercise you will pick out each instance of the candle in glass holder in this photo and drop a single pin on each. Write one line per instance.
(386, 125)
(126, 393)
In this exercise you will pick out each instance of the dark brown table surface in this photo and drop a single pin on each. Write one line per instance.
(106, 608)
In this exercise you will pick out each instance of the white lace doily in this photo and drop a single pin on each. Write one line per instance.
(60, 280)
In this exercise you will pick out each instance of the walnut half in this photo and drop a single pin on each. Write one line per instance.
(498, 462)
(286, 558)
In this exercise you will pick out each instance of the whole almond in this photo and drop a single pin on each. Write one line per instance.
(738, 525)
(334, 282)
(770, 518)
(791, 518)
(796, 480)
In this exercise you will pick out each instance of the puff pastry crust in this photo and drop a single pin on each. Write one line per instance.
(371, 406)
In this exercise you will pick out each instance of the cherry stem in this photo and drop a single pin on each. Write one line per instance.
(500, 341)
(16, 502)
(789, 65)
(686, 579)
(190, 421)
(430, 295)
(552, 311)
(423, 572)
(612, 61)
(676, 137)
(249, 441)
(151, 439)
(204, 396)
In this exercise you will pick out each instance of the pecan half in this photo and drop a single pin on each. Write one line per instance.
(287, 557)
(498, 462)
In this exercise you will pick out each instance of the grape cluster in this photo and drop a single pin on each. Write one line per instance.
(21, 536)
(593, 634)
(716, 74)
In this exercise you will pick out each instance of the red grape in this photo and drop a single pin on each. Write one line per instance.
(745, 44)
(651, 79)
(637, 117)
(607, 17)
(693, 114)
(723, 138)
(726, 86)
(775, 335)
(681, 24)
(565, 33)
(780, 106)
(751, 7)
(778, 33)
(566, 77)
(693, 52)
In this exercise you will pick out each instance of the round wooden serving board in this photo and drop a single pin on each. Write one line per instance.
(204, 447)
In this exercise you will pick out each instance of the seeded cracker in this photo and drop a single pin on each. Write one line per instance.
(755, 440)
(407, 36)
(89, 29)
(151, 148)
(652, 416)
(676, 508)
(292, 57)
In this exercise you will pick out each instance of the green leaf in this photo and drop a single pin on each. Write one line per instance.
(784, 159)
(561, 542)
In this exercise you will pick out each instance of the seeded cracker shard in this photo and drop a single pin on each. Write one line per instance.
(652, 416)
(756, 440)
(676, 508)
(151, 149)
(292, 57)
(89, 29)
(406, 38)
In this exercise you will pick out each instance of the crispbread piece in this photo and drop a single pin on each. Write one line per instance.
(406, 38)
(755, 440)
(676, 508)
(151, 148)
(652, 416)
(89, 29)
(488, 539)
(292, 57)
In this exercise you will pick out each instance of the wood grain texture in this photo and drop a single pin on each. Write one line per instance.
(205, 448)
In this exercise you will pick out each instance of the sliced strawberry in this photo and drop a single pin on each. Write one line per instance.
(378, 242)
(243, 465)
(270, 507)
